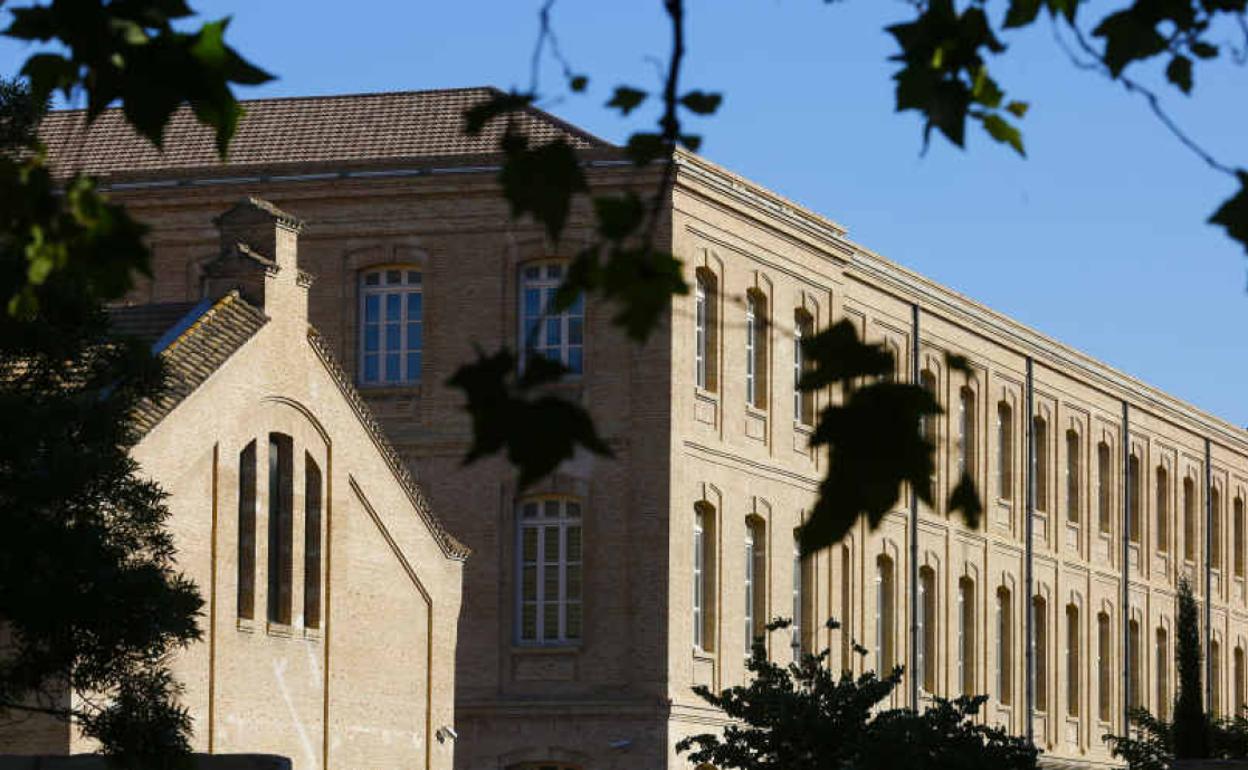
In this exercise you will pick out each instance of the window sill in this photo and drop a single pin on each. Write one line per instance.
(804, 428)
(560, 648)
(280, 630)
(701, 654)
(705, 395)
(312, 634)
(246, 625)
(754, 411)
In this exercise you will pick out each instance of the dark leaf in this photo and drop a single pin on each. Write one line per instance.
(644, 147)
(1017, 109)
(578, 83)
(1179, 72)
(1129, 36)
(1021, 13)
(836, 355)
(542, 181)
(479, 116)
(1203, 50)
(701, 102)
(1233, 213)
(626, 99)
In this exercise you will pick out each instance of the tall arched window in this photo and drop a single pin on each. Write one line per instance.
(966, 431)
(927, 380)
(847, 608)
(1238, 673)
(1135, 664)
(1005, 450)
(884, 615)
(926, 674)
(755, 582)
(1189, 519)
(550, 574)
(966, 636)
(1163, 509)
(247, 531)
(706, 331)
(1040, 652)
(556, 335)
(1238, 540)
(803, 592)
(1163, 674)
(703, 576)
(1074, 659)
(1040, 463)
(1005, 646)
(803, 400)
(1104, 486)
(281, 527)
(311, 543)
(1215, 677)
(1135, 484)
(1074, 475)
(1104, 662)
(391, 326)
(1215, 528)
(756, 355)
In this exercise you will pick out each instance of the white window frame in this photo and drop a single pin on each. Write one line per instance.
(797, 601)
(544, 279)
(699, 580)
(565, 516)
(404, 284)
(751, 344)
(751, 555)
(700, 333)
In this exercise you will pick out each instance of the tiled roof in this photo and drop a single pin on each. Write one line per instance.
(147, 323)
(360, 128)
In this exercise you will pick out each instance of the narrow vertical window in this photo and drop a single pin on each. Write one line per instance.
(1239, 536)
(706, 331)
(1104, 678)
(1134, 664)
(1040, 463)
(847, 609)
(1005, 647)
(1135, 484)
(1073, 660)
(1005, 450)
(1104, 486)
(966, 636)
(1162, 505)
(803, 627)
(312, 544)
(700, 331)
(755, 583)
(247, 531)
(926, 674)
(1163, 674)
(756, 349)
(703, 576)
(281, 527)
(884, 615)
(803, 400)
(1040, 652)
(1074, 462)
(550, 576)
(1215, 677)
(1238, 673)
(1215, 528)
(966, 432)
(927, 380)
(391, 326)
(544, 331)
(1189, 519)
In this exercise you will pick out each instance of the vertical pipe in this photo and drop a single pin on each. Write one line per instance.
(913, 593)
(1128, 487)
(1208, 577)
(1028, 528)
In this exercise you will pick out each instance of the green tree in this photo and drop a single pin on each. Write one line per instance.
(804, 717)
(1191, 727)
(91, 602)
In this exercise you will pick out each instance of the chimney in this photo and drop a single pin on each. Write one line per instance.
(260, 258)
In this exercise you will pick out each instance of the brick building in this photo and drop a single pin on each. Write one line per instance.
(596, 600)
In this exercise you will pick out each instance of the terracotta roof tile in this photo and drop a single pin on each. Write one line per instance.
(359, 128)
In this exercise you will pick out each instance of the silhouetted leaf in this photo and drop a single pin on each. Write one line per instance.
(965, 498)
(1233, 213)
(701, 102)
(1129, 36)
(836, 355)
(619, 216)
(1202, 50)
(646, 147)
(542, 181)
(626, 99)
(578, 83)
(1179, 72)
(1017, 109)
(479, 115)
(1021, 13)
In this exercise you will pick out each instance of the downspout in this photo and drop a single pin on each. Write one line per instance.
(913, 593)
(1028, 528)
(1127, 489)
(1208, 577)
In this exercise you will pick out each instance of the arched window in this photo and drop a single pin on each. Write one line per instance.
(1005, 646)
(281, 527)
(926, 674)
(756, 354)
(884, 616)
(847, 608)
(1239, 537)
(803, 400)
(1163, 674)
(1189, 519)
(247, 531)
(311, 544)
(1104, 660)
(966, 432)
(1215, 528)
(1074, 476)
(755, 582)
(803, 593)
(1040, 652)
(703, 576)
(966, 636)
(1163, 509)
(1005, 450)
(1238, 673)
(1135, 483)
(548, 535)
(391, 326)
(556, 335)
(1073, 660)
(1135, 664)
(706, 331)
(1104, 485)
(1215, 677)
(1040, 463)
(927, 380)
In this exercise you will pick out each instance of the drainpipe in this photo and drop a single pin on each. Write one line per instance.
(1125, 619)
(913, 593)
(1028, 528)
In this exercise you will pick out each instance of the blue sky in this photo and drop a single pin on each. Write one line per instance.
(1097, 238)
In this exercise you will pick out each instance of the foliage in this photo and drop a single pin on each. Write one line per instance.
(1191, 730)
(805, 717)
(1151, 748)
(90, 597)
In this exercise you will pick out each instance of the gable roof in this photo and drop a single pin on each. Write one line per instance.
(349, 129)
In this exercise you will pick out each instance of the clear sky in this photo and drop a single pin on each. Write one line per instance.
(1097, 238)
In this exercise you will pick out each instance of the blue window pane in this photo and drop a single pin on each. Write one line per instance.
(370, 368)
(553, 331)
(392, 337)
(392, 367)
(414, 337)
(394, 307)
(372, 308)
(575, 360)
(578, 305)
(574, 331)
(372, 338)
(532, 303)
(413, 367)
(415, 304)
(550, 297)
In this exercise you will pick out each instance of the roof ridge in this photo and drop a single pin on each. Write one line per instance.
(319, 97)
